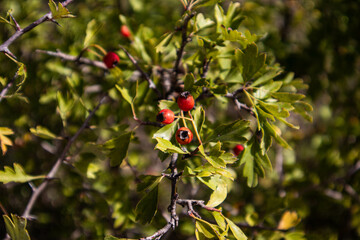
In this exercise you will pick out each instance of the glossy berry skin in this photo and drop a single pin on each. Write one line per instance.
(111, 59)
(184, 136)
(238, 149)
(165, 116)
(124, 30)
(185, 101)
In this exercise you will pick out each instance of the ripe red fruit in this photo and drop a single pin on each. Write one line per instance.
(184, 136)
(124, 30)
(111, 59)
(238, 149)
(185, 101)
(165, 116)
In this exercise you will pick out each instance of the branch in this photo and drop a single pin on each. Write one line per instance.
(144, 74)
(19, 32)
(58, 162)
(159, 233)
(72, 58)
(7, 87)
(180, 52)
(260, 227)
(189, 203)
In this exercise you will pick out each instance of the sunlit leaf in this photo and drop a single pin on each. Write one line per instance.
(43, 132)
(16, 174)
(16, 227)
(166, 146)
(289, 220)
(59, 11)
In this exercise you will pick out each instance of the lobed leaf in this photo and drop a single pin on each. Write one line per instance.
(16, 174)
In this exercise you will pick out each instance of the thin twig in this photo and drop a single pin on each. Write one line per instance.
(180, 52)
(58, 162)
(144, 74)
(159, 233)
(5, 46)
(205, 68)
(7, 87)
(260, 227)
(72, 58)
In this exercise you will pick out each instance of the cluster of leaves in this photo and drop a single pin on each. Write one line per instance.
(209, 56)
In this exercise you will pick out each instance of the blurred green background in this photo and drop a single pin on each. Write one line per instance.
(318, 40)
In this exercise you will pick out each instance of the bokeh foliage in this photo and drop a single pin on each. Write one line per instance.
(313, 186)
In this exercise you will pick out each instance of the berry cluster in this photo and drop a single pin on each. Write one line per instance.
(185, 102)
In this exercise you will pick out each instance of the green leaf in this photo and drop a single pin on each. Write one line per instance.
(118, 148)
(199, 118)
(213, 160)
(165, 40)
(220, 220)
(270, 129)
(65, 104)
(147, 206)
(249, 61)
(166, 104)
(148, 182)
(266, 78)
(287, 97)
(274, 109)
(205, 3)
(59, 11)
(17, 174)
(238, 233)
(303, 108)
(166, 146)
(234, 131)
(219, 194)
(125, 94)
(91, 30)
(43, 132)
(202, 22)
(166, 132)
(209, 230)
(16, 227)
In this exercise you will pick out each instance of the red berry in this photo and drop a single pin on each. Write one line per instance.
(184, 136)
(124, 30)
(238, 149)
(165, 116)
(111, 59)
(185, 101)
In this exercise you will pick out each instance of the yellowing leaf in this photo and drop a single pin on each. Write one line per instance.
(288, 220)
(5, 141)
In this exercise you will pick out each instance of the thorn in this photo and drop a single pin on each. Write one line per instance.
(52, 20)
(8, 52)
(18, 28)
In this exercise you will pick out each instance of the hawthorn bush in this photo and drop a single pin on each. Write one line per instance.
(85, 158)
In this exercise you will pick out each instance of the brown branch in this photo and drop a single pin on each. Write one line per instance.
(5, 46)
(35, 195)
(174, 219)
(260, 227)
(72, 58)
(159, 233)
(189, 203)
(144, 74)
(180, 52)
(205, 68)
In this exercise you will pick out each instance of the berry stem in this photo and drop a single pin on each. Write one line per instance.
(183, 118)
(195, 129)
